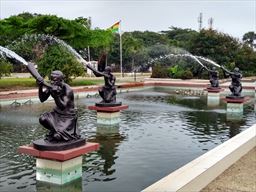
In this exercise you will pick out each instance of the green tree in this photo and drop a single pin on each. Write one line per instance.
(214, 45)
(58, 58)
(76, 33)
(5, 67)
(249, 39)
(86, 22)
(158, 50)
(131, 47)
(181, 37)
(149, 38)
(245, 59)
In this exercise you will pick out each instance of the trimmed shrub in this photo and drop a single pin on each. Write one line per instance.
(5, 67)
(159, 71)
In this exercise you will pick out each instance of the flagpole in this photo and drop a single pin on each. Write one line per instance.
(89, 58)
(121, 54)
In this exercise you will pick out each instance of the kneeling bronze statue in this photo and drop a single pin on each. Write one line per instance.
(62, 120)
(214, 77)
(108, 91)
(236, 85)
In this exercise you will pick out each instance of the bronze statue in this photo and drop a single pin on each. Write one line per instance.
(108, 91)
(62, 120)
(236, 86)
(214, 77)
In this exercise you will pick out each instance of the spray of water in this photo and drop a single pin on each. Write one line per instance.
(196, 58)
(208, 60)
(4, 52)
(51, 40)
(177, 56)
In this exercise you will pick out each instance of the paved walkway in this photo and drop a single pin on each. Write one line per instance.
(240, 177)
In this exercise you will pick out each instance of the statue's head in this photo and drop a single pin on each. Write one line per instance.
(57, 78)
(236, 69)
(108, 69)
(214, 68)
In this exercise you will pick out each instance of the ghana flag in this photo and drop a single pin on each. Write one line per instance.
(115, 28)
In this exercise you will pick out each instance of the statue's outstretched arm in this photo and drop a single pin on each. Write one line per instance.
(96, 73)
(227, 71)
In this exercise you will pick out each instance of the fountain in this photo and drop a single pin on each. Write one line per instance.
(213, 91)
(108, 110)
(174, 133)
(4, 52)
(235, 100)
(159, 140)
(59, 154)
(208, 61)
(51, 40)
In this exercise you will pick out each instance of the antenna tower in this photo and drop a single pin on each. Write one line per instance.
(210, 22)
(200, 21)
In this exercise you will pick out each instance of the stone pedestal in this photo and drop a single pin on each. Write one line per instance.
(213, 96)
(58, 167)
(108, 115)
(58, 172)
(235, 107)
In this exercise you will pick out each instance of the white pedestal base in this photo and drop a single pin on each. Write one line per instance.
(58, 172)
(235, 107)
(108, 118)
(213, 99)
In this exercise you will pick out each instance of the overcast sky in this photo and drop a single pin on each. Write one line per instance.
(234, 17)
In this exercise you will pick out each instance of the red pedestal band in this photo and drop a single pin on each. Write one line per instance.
(59, 155)
(238, 100)
(108, 109)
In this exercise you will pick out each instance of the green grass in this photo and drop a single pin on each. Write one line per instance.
(15, 83)
(26, 83)
(84, 82)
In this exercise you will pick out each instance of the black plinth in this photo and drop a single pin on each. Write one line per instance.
(44, 145)
(213, 88)
(108, 104)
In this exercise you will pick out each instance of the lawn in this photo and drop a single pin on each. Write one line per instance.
(28, 83)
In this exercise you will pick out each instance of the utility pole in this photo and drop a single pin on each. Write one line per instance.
(200, 21)
(210, 22)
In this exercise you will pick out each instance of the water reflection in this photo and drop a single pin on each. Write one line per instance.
(109, 138)
(74, 186)
(194, 102)
(234, 116)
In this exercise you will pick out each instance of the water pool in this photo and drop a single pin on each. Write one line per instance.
(159, 133)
